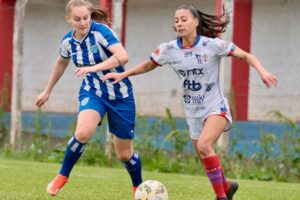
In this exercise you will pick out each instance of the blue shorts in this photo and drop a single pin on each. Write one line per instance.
(120, 113)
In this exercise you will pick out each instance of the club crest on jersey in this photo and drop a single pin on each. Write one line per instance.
(94, 48)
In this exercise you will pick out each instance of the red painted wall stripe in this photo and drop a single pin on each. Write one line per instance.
(124, 18)
(219, 4)
(107, 5)
(6, 41)
(240, 70)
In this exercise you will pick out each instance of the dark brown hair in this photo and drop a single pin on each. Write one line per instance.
(97, 14)
(209, 25)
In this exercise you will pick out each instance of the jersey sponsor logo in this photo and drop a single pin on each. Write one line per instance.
(84, 101)
(188, 54)
(187, 99)
(209, 86)
(94, 48)
(198, 57)
(199, 99)
(192, 85)
(195, 72)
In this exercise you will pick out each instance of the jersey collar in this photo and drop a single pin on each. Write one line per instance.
(179, 43)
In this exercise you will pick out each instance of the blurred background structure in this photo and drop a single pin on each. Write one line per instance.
(266, 28)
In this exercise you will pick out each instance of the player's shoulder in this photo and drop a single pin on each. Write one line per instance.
(97, 26)
(168, 45)
(67, 37)
(206, 41)
(212, 43)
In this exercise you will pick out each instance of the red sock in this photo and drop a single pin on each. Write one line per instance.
(225, 182)
(215, 174)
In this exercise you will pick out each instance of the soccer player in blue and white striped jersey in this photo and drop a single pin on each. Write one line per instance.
(95, 50)
(195, 57)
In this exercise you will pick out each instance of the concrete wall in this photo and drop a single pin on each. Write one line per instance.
(44, 28)
(275, 41)
(149, 23)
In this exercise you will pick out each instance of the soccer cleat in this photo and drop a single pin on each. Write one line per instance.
(222, 198)
(56, 184)
(234, 186)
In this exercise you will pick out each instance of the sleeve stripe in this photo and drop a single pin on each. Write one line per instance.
(154, 62)
(232, 50)
(65, 57)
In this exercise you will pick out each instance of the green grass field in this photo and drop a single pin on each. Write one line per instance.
(26, 180)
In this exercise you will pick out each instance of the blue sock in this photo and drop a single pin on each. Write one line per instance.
(72, 154)
(134, 168)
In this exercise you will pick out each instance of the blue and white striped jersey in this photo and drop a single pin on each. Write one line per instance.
(198, 69)
(91, 50)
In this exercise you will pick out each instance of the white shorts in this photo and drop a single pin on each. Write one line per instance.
(196, 123)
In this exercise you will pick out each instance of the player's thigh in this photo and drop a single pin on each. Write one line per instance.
(87, 123)
(123, 148)
(214, 126)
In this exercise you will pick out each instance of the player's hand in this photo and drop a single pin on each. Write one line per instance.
(42, 98)
(268, 79)
(82, 71)
(117, 77)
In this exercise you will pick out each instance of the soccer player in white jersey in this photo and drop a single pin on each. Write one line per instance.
(195, 57)
(96, 51)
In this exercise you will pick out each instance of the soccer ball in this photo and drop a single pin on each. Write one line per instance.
(151, 190)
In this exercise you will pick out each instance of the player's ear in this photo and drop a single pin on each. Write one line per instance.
(68, 19)
(196, 22)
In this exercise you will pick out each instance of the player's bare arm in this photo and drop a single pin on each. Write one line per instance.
(119, 58)
(142, 68)
(139, 69)
(267, 78)
(59, 68)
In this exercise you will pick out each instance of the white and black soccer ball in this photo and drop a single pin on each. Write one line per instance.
(151, 190)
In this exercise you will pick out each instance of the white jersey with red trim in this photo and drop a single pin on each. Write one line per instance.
(198, 69)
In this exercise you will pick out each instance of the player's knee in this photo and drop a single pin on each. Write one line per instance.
(83, 135)
(204, 149)
(124, 155)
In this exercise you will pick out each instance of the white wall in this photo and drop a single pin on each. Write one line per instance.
(275, 41)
